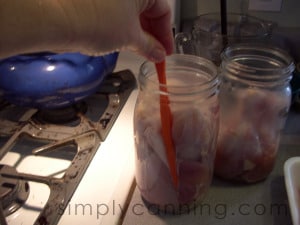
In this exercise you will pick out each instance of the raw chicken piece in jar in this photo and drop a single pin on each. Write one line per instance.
(192, 141)
(248, 140)
(152, 172)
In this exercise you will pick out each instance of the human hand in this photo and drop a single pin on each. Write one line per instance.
(143, 26)
(91, 27)
(156, 20)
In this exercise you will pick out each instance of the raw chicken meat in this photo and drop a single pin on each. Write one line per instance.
(194, 134)
(249, 135)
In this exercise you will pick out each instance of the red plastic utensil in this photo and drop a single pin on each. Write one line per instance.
(166, 121)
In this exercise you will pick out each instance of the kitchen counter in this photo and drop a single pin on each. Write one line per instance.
(232, 204)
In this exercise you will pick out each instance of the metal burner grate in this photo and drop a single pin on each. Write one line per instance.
(90, 129)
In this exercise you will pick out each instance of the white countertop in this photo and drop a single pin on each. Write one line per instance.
(104, 202)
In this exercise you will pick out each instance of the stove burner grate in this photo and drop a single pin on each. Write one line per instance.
(62, 115)
(86, 136)
(13, 192)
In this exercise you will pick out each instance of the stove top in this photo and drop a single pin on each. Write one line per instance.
(44, 153)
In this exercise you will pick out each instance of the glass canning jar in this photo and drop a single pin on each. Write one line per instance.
(255, 97)
(192, 90)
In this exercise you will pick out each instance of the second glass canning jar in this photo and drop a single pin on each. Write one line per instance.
(255, 97)
(192, 89)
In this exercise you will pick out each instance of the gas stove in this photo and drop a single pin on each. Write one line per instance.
(54, 162)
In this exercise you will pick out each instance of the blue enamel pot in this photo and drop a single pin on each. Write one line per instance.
(48, 80)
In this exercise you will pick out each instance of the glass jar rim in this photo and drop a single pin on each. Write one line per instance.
(252, 61)
(201, 65)
(193, 64)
